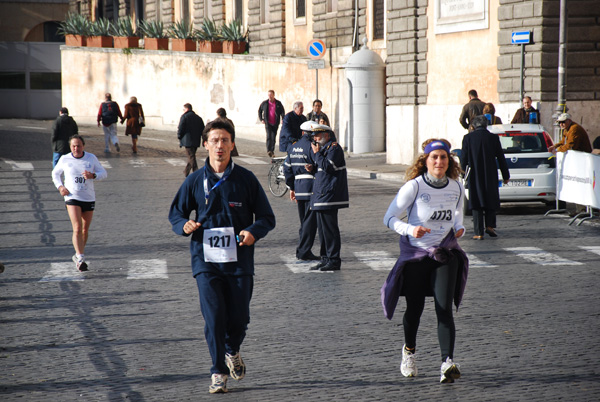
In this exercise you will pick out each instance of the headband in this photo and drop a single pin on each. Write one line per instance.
(432, 146)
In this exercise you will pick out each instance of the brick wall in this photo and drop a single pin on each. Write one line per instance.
(267, 38)
(541, 58)
(406, 68)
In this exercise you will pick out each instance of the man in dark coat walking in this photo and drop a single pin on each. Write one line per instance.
(189, 133)
(63, 128)
(270, 113)
(471, 109)
(480, 150)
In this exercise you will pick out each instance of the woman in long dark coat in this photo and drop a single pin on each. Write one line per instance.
(480, 150)
(133, 112)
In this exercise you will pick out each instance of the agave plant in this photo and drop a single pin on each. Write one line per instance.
(101, 27)
(233, 31)
(209, 31)
(181, 30)
(75, 24)
(124, 27)
(152, 29)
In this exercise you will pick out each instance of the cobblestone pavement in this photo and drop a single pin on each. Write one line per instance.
(130, 329)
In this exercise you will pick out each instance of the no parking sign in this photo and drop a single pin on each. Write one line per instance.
(316, 49)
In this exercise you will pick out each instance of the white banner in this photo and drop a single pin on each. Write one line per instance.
(577, 173)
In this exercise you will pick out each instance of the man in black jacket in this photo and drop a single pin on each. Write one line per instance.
(189, 133)
(64, 128)
(270, 113)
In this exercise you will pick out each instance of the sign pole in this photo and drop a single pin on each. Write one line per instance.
(522, 70)
(317, 82)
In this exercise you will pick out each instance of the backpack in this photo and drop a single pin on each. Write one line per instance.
(109, 113)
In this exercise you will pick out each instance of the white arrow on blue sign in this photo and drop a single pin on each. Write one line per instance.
(521, 38)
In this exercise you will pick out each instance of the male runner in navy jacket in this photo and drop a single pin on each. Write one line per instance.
(229, 202)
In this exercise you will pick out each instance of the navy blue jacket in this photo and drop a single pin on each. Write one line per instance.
(297, 178)
(330, 190)
(239, 201)
(290, 130)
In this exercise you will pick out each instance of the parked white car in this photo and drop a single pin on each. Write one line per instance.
(531, 166)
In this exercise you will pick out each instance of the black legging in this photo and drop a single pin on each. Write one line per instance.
(419, 277)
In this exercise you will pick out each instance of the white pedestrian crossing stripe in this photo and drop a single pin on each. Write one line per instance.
(300, 267)
(147, 269)
(377, 260)
(475, 262)
(105, 164)
(591, 249)
(541, 257)
(176, 162)
(18, 165)
(138, 162)
(250, 160)
(63, 271)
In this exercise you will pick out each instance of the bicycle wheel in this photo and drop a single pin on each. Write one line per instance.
(277, 180)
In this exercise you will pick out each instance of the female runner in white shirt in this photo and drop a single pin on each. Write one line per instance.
(431, 262)
(80, 169)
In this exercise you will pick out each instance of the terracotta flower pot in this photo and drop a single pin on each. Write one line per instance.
(100, 41)
(123, 42)
(183, 45)
(205, 46)
(230, 47)
(156, 43)
(75, 40)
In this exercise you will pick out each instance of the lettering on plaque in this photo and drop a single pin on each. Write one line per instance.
(461, 15)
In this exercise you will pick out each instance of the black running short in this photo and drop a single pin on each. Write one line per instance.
(84, 205)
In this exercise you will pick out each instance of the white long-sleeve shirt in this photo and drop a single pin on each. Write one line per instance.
(80, 188)
(438, 209)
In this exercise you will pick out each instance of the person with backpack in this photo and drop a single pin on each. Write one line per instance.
(109, 113)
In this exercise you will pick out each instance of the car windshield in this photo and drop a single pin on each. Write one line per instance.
(519, 142)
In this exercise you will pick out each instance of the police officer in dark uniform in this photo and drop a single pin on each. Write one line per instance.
(300, 182)
(330, 193)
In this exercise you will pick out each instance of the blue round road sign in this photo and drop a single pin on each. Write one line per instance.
(316, 49)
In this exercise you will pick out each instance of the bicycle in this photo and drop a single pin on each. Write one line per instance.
(276, 178)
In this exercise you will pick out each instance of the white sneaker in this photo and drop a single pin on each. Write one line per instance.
(449, 371)
(237, 368)
(219, 384)
(408, 368)
(81, 265)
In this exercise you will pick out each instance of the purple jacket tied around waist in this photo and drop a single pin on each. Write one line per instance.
(392, 288)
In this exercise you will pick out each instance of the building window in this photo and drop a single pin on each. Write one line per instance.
(185, 11)
(51, 32)
(378, 19)
(264, 11)
(44, 81)
(12, 80)
(300, 9)
(238, 11)
(332, 6)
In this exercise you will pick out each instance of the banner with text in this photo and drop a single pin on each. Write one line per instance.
(576, 178)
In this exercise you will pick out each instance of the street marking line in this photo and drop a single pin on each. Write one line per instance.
(475, 262)
(300, 267)
(138, 162)
(591, 249)
(31, 128)
(105, 164)
(250, 160)
(541, 257)
(18, 165)
(377, 260)
(176, 162)
(63, 271)
(147, 269)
